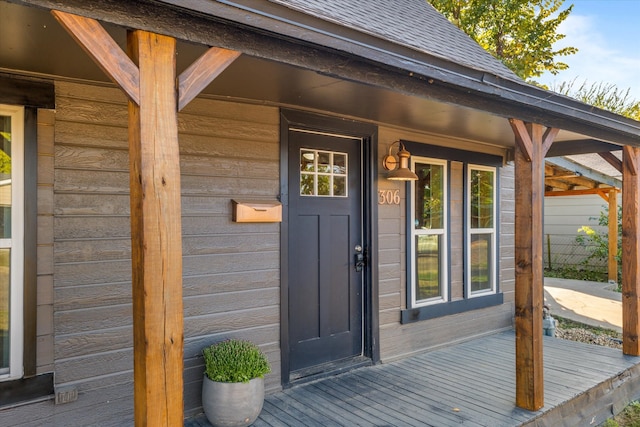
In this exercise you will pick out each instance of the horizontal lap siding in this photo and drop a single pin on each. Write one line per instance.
(231, 271)
(397, 340)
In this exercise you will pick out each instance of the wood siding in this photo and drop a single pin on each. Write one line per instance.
(231, 271)
(398, 340)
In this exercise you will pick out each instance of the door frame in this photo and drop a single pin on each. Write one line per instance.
(369, 134)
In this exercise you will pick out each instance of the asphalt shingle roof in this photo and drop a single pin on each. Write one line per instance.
(410, 23)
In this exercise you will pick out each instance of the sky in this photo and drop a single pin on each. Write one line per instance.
(607, 35)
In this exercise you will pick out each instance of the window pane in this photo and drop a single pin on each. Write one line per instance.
(307, 161)
(4, 310)
(429, 197)
(481, 199)
(324, 162)
(324, 185)
(339, 186)
(306, 184)
(339, 164)
(5, 177)
(480, 262)
(427, 267)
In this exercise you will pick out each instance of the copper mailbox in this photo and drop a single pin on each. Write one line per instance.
(257, 211)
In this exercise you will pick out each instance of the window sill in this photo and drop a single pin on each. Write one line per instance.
(445, 309)
(13, 393)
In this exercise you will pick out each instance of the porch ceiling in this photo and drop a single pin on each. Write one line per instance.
(33, 43)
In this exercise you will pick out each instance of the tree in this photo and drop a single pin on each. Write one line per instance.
(520, 33)
(597, 242)
(602, 95)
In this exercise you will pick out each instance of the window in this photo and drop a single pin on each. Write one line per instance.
(11, 241)
(429, 232)
(481, 213)
(452, 228)
(323, 173)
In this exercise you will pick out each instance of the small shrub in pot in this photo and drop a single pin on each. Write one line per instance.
(233, 387)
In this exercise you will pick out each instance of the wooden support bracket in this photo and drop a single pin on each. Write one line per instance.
(612, 160)
(523, 139)
(99, 45)
(630, 160)
(202, 72)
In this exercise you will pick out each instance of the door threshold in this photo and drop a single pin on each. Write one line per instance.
(317, 372)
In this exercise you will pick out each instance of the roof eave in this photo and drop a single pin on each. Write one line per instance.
(560, 109)
(276, 34)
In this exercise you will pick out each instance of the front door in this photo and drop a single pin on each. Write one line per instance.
(325, 237)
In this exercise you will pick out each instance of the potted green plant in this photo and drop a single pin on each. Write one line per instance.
(233, 385)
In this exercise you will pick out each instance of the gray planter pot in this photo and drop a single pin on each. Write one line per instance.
(232, 404)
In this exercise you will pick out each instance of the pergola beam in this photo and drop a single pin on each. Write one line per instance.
(532, 143)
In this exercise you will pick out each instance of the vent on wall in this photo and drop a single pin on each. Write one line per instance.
(66, 395)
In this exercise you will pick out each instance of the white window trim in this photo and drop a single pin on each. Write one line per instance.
(444, 232)
(16, 336)
(491, 231)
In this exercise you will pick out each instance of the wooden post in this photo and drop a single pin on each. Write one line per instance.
(630, 251)
(156, 234)
(153, 90)
(613, 235)
(531, 147)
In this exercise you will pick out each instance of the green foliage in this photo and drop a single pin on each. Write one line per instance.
(234, 361)
(520, 33)
(610, 423)
(597, 242)
(602, 95)
(5, 163)
(584, 273)
(629, 417)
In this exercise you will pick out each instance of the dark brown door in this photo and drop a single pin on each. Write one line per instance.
(325, 232)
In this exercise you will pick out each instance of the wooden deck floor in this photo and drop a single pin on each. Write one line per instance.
(469, 384)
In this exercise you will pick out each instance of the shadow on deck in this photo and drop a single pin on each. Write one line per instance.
(472, 384)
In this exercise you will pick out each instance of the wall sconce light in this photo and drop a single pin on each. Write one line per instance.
(399, 168)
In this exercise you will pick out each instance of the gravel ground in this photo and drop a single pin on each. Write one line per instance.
(584, 335)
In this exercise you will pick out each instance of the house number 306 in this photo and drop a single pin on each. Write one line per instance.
(388, 197)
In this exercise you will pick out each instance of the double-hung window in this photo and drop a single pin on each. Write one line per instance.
(429, 232)
(452, 232)
(481, 230)
(11, 241)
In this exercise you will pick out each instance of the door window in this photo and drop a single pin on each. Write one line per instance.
(11, 241)
(323, 173)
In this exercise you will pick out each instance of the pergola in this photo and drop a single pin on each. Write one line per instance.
(563, 177)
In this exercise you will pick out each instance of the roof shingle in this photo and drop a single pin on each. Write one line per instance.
(410, 23)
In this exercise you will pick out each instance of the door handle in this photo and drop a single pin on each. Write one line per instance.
(360, 258)
(359, 262)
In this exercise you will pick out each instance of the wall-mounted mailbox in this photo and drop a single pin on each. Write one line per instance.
(257, 211)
